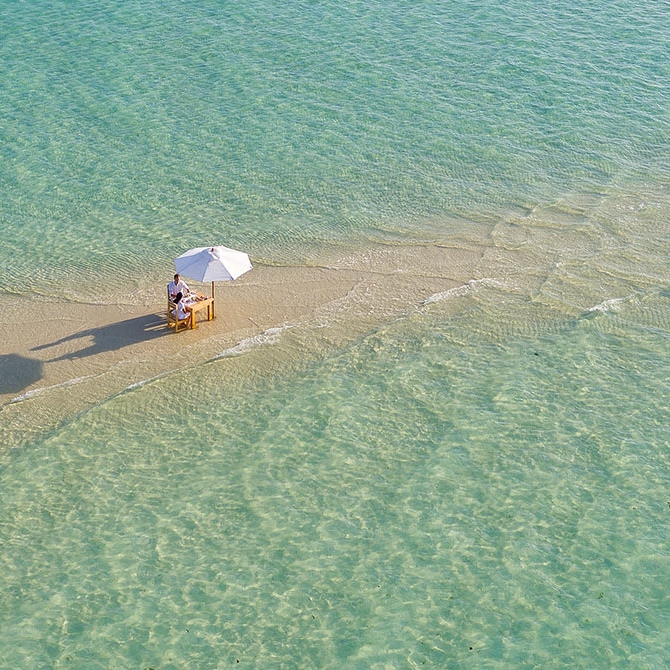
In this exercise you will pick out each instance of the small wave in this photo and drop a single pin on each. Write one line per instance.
(144, 382)
(44, 389)
(267, 337)
(459, 291)
(611, 305)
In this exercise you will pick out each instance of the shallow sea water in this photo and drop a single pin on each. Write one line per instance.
(479, 480)
(412, 500)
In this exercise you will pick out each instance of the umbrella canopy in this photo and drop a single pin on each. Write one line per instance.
(212, 264)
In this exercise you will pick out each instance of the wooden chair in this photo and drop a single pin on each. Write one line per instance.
(173, 320)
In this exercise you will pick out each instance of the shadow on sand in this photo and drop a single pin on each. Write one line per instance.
(18, 372)
(112, 336)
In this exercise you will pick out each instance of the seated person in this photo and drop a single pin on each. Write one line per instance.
(178, 285)
(182, 310)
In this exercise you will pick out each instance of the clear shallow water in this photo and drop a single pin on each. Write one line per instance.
(132, 130)
(413, 500)
(481, 482)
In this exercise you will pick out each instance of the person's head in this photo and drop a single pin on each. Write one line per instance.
(176, 278)
(178, 297)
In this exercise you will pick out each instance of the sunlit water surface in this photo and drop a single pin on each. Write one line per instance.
(480, 481)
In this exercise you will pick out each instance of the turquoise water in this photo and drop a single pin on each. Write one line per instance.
(478, 481)
(132, 130)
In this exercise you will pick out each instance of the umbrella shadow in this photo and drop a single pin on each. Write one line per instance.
(112, 336)
(18, 372)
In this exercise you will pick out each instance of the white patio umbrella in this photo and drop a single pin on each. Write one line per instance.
(212, 264)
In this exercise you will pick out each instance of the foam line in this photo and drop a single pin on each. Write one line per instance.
(266, 338)
(459, 291)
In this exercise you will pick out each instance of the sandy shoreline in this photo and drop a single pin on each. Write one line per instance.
(58, 359)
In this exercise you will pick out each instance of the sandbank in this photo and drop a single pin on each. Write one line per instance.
(58, 359)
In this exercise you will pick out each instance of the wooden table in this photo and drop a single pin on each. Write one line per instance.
(196, 306)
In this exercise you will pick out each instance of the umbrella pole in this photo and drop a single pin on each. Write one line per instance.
(213, 301)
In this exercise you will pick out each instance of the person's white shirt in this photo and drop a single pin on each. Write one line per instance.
(178, 287)
(182, 312)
